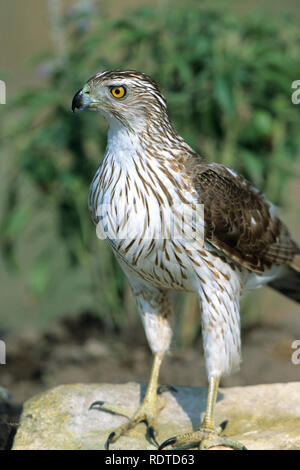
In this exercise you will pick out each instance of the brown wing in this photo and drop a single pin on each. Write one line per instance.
(238, 219)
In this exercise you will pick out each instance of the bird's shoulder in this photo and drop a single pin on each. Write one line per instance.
(238, 218)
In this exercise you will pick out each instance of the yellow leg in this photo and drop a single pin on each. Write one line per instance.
(207, 436)
(151, 392)
(146, 412)
(209, 417)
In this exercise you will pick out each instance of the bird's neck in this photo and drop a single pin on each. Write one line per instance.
(153, 141)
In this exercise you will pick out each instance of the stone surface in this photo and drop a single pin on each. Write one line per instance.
(261, 416)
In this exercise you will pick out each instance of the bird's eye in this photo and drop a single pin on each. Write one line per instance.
(118, 91)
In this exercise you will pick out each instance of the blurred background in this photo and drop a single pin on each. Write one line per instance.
(226, 69)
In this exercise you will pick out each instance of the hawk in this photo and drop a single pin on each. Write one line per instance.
(149, 181)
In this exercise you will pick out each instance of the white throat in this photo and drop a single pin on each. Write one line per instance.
(121, 142)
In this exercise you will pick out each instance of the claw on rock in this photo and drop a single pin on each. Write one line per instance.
(168, 442)
(165, 388)
(223, 425)
(152, 435)
(96, 403)
(109, 440)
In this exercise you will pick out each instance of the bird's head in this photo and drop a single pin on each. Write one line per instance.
(123, 96)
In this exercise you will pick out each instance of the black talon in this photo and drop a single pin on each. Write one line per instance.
(152, 435)
(99, 403)
(165, 388)
(172, 440)
(244, 448)
(109, 440)
(224, 424)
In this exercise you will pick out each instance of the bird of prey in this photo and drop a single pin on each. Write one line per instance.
(149, 186)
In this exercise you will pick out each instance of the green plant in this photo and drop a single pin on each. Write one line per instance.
(227, 80)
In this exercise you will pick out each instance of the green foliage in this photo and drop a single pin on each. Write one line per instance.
(227, 80)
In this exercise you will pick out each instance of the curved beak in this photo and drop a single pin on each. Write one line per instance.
(77, 101)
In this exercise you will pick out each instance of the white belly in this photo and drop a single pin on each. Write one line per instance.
(145, 232)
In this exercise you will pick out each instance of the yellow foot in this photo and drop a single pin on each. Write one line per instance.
(205, 438)
(147, 413)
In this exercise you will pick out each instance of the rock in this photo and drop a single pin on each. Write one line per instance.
(260, 416)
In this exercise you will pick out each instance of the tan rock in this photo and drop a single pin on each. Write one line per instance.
(261, 416)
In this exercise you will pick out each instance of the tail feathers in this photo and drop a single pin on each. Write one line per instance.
(289, 285)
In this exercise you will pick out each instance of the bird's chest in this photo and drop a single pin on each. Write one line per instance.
(137, 212)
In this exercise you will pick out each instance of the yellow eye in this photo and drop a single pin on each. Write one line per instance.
(118, 91)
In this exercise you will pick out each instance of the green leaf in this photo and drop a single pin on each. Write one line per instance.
(224, 94)
(15, 221)
(40, 274)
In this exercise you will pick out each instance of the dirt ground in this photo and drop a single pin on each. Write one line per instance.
(78, 349)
